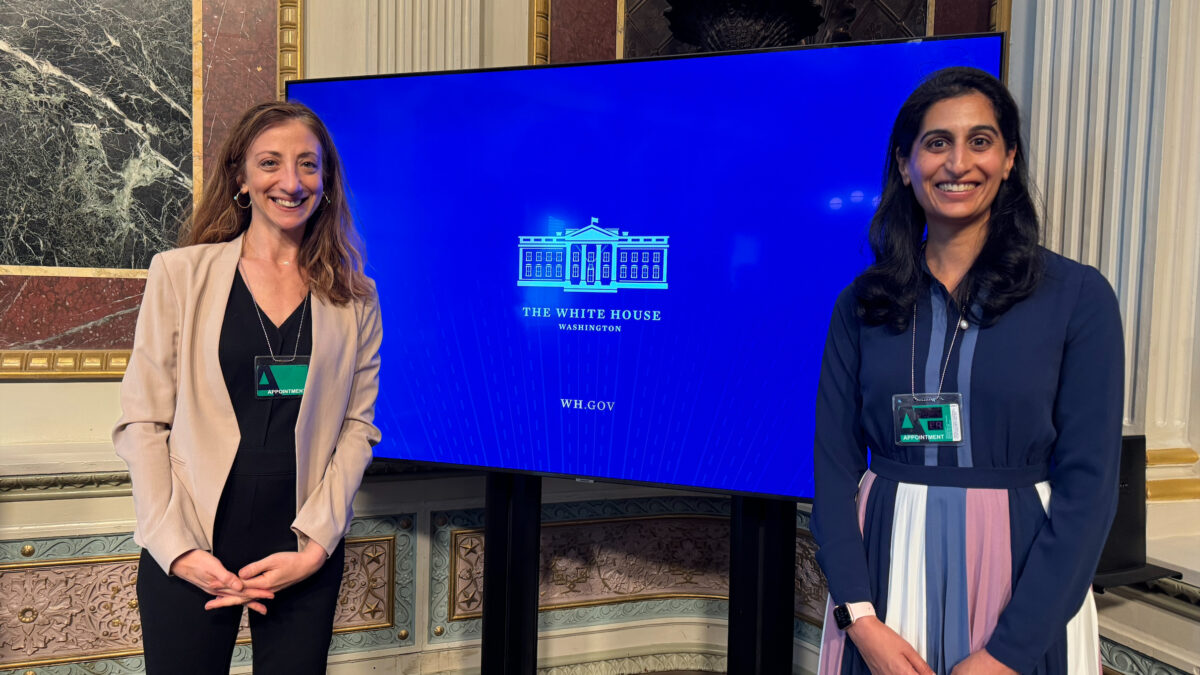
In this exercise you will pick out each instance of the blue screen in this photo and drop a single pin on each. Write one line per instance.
(623, 270)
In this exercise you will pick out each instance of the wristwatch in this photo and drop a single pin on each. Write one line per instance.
(847, 614)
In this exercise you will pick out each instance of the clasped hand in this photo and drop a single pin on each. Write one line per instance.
(258, 581)
(886, 653)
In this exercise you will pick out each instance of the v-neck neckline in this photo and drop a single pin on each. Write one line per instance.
(266, 317)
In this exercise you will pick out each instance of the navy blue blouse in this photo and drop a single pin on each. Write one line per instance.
(1042, 386)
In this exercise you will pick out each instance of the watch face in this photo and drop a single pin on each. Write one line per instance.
(842, 616)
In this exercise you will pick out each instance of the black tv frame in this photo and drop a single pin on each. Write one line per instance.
(762, 542)
(604, 479)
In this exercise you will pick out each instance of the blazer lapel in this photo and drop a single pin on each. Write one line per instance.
(223, 269)
(326, 375)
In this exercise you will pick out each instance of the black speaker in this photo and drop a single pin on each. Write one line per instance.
(1123, 560)
(1125, 548)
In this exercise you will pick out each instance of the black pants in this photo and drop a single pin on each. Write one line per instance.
(253, 521)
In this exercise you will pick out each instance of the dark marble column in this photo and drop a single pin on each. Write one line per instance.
(96, 130)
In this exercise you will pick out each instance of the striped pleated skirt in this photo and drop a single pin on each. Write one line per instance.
(942, 563)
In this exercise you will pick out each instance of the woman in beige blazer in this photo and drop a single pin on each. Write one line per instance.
(247, 406)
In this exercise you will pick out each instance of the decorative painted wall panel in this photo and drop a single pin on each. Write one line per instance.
(1130, 662)
(608, 561)
(611, 561)
(95, 122)
(69, 611)
(69, 600)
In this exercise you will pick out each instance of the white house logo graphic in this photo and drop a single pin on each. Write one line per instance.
(592, 259)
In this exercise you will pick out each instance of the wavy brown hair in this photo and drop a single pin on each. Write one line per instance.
(331, 253)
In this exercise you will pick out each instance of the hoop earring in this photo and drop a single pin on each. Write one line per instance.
(239, 194)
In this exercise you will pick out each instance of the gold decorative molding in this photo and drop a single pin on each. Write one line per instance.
(930, 8)
(97, 598)
(39, 487)
(68, 562)
(620, 29)
(291, 52)
(1000, 15)
(197, 99)
(1172, 489)
(65, 364)
(539, 32)
(75, 272)
(1171, 457)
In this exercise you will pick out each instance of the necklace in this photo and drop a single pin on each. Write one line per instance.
(263, 325)
(961, 324)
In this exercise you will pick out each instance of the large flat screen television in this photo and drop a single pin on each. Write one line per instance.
(624, 270)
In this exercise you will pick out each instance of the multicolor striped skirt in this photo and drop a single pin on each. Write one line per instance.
(942, 563)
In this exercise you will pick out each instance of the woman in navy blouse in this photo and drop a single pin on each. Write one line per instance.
(980, 378)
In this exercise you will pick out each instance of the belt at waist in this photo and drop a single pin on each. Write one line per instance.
(959, 476)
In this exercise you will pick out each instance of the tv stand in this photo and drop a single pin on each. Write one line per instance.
(512, 529)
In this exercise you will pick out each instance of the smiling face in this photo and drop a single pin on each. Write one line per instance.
(283, 177)
(957, 162)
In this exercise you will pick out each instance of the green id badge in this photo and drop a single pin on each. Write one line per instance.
(276, 377)
(928, 419)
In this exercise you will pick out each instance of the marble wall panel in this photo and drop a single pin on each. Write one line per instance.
(583, 30)
(95, 122)
(964, 16)
(240, 63)
(49, 312)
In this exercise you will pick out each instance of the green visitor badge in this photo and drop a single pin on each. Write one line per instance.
(280, 377)
(928, 419)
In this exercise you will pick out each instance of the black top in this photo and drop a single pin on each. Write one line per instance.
(265, 423)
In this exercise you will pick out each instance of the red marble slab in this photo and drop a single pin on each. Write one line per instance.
(583, 30)
(963, 16)
(240, 63)
(47, 312)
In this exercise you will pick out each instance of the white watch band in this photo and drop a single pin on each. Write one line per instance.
(858, 610)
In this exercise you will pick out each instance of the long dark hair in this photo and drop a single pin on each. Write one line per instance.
(332, 252)
(1010, 265)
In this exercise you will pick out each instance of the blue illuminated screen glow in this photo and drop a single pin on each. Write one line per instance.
(623, 270)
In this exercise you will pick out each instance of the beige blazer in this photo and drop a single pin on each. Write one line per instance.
(178, 432)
